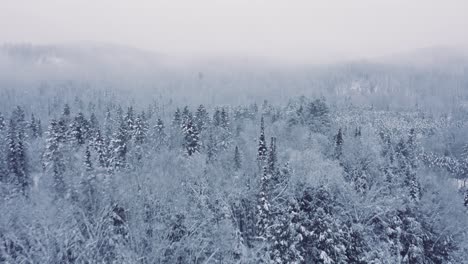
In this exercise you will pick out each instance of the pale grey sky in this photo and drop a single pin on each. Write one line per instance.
(288, 29)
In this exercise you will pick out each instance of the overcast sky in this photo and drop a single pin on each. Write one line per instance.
(287, 29)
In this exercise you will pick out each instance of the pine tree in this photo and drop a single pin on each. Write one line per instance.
(177, 120)
(140, 130)
(53, 156)
(211, 149)
(217, 118)
(237, 159)
(87, 159)
(108, 124)
(263, 206)
(339, 144)
(318, 117)
(262, 149)
(2, 122)
(93, 126)
(33, 127)
(79, 129)
(285, 236)
(224, 118)
(102, 150)
(66, 111)
(323, 241)
(119, 146)
(130, 122)
(191, 137)
(202, 119)
(186, 115)
(272, 158)
(39, 128)
(16, 151)
(159, 133)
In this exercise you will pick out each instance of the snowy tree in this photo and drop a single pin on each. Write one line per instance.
(237, 159)
(272, 158)
(140, 130)
(87, 159)
(119, 146)
(79, 129)
(285, 236)
(202, 118)
(33, 127)
(264, 206)
(192, 142)
(16, 150)
(54, 156)
(177, 120)
(262, 152)
(159, 135)
(339, 144)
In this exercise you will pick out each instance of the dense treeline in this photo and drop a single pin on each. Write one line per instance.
(300, 183)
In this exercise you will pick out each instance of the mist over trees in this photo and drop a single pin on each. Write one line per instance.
(356, 163)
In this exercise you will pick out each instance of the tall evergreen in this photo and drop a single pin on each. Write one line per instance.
(339, 144)
(79, 129)
(262, 152)
(54, 157)
(140, 130)
(211, 148)
(159, 133)
(2, 122)
(33, 127)
(272, 158)
(237, 159)
(177, 120)
(119, 146)
(130, 122)
(192, 141)
(224, 118)
(217, 121)
(202, 118)
(263, 206)
(87, 159)
(16, 150)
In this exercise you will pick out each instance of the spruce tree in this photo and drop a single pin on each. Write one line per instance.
(79, 129)
(2, 122)
(93, 126)
(102, 150)
(130, 122)
(33, 127)
(262, 149)
(339, 144)
(177, 120)
(119, 146)
(237, 159)
(186, 115)
(272, 158)
(202, 118)
(87, 159)
(211, 149)
(53, 156)
(191, 137)
(140, 130)
(217, 121)
(224, 118)
(16, 150)
(159, 133)
(263, 206)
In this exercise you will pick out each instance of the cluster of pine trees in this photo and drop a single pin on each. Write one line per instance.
(243, 184)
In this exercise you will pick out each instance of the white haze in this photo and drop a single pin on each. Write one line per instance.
(298, 30)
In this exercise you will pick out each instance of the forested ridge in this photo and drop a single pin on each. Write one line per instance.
(96, 180)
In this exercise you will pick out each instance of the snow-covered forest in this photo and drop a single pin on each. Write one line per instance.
(111, 155)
